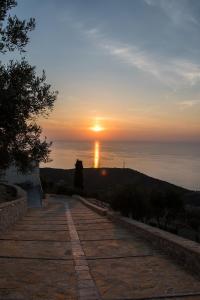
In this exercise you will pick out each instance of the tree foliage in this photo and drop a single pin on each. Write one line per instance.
(78, 175)
(13, 31)
(162, 207)
(23, 97)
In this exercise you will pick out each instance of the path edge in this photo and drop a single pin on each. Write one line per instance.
(184, 251)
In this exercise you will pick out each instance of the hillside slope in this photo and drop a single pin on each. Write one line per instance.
(103, 182)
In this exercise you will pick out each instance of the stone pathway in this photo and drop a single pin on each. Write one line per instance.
(67, 251)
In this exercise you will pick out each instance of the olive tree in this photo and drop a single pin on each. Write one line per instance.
(23, 97)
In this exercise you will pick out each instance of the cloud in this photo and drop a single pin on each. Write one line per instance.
(188, 70)
(188, 104)
(178, 11)
(173, 72)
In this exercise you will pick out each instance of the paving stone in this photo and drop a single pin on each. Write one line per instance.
(141, 278)
(37, 235)
(89, 298)
(37, 279)
(40, 227)
(80, 261)
(83, 275)
(67, 233)
(81, 268)
(181, 297)
(78, 254)
(87, 283)
(36, 249)
(42, 222)
(88, 292)
(104, 234)
(92, 221)
(44, 218)
(116, 248)
(85, 217)
(99, 226)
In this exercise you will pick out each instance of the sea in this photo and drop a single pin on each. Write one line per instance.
(177, 163)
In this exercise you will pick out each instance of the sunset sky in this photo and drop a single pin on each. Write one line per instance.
(129, 66)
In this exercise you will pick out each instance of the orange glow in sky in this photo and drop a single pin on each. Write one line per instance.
(97, 128)
(114, 83)
(134, 126)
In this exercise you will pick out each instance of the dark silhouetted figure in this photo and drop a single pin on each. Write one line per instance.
(78, 176)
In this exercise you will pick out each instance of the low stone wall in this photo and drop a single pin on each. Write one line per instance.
(184, 251)
(100, 210)
(12, 211)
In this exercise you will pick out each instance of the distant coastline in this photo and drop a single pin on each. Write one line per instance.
(102, 181)
(177, 163)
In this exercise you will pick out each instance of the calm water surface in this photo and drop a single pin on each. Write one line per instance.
(178, 163)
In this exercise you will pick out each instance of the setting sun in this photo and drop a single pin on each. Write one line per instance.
(97, 128)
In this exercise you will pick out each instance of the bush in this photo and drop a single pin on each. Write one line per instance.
(131, 202)
(157, 204)
(166, 207)
(159, 207)
(121, 201)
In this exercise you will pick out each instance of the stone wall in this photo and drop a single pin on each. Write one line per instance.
(184, 251)
(12, 211)
(100, 210)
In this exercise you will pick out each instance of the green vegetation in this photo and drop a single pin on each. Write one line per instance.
(23, 97)
(78, 175)
(162, 209)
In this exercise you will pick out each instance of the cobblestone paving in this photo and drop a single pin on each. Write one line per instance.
(66, 251)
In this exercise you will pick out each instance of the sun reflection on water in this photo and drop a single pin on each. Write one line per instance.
(96, 154)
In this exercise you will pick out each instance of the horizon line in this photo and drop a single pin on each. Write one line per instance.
(126, 141)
